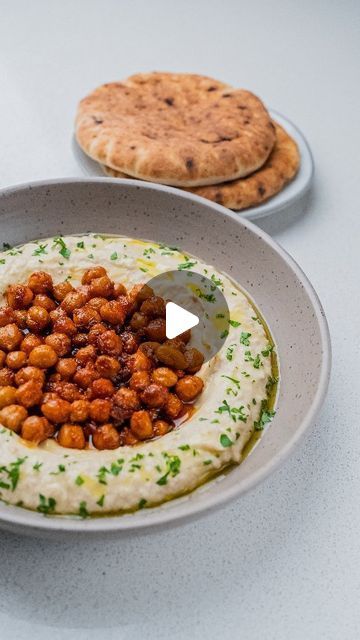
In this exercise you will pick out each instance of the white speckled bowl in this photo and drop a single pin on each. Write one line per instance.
(234, 245)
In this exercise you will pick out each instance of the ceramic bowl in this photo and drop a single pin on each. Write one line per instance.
(271, 277)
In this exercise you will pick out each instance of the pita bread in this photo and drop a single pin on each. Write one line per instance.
(279, 169)
(179, 129)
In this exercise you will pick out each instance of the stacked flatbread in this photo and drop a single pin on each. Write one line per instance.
(191, 132)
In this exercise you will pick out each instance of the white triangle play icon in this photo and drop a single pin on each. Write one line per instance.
(178, 320)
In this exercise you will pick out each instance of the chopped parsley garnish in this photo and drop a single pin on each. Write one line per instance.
(114, 256)
(80, 245)
(234, 323)
(267, 350)
(217, 281)
(41, 250)
(37, 466)
(173, 464)
(100, 502)
(225, 440)
(12, 472)
(83, 512)
(224, 334)
(186, 265)
(142, 503)
(265, 417)
(79, 481)
(63, 249)
(143, 269)
(46, 505)
(257, 362)
(184, 447)
(235, 413)
(230, 352)
(209, 297)
(244, 338)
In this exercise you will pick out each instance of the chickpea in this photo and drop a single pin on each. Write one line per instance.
(80, 340)
(40, 282)
(7, 396)
(153, 307)
(101, 287)
(109, 343)
(94, 333)
(57, 411)
(156, 330)
(13, 416)
(30, 373)
(30, 342)
(113, 312)
(80, 411)
(7, 316)
(67, 391)
(107, 366)
(96, 303)
(173, 406)
(85, 317)
(139, 380)
(100, 410)
(66, 367)
(60, 342)
(164, 376)
(194, 359)
(120, 290)
(73, 300)
(71, 436)
(140, 362)
(2, 358)
(10, 337)
(61, 290)
(29, 394)
(16, 359)
(127, 398)
(85, 355)
(42, 300)
(189, 387)
(49, 395)
(161, 427)
(19, 296)
(84, 377)
(43, 356)
(141, 424)
(37, 319)
(92, 273)
(140, 292)
(36, 429)
(171, 356)
(130, 342)
(155, 395)
(7, 377)
(64, 325)
(20, 318)
(138, 321)
(106, 437)
(102, 388)
(128, 437)
(149, 348)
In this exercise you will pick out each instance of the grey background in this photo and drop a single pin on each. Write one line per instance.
(282, 562)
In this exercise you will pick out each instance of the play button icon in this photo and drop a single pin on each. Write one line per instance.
(178, 320)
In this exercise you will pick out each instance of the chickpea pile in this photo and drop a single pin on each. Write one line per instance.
(91, 366)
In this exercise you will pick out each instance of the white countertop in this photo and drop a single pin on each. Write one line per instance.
(283, 561)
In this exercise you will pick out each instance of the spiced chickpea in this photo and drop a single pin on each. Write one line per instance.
(63, 324)
(37, 319)
(73, 300)
(13, 416)
(43, 356)
(80, 340)
(140, 292)
(94, 333)
(60, 342)
(29, 394)
(85, 355)
(164, 376)
(42, 300)
(130, 343)
(85, 317)
(113, 312)
(96, 303)
(10, 337)
(127, 399)
(107, 366)
(57, 410)
(128, 438)
(138, 321)
(71, 436)
(156, 330)
(2, 358)
(7, 377)
(92, 273)
(173, 406)
(20, 318)
(66, 367)
(61, 290)
(141, 424)
(109, 343)
(155, 395)
(40, 282)
(139, 380)
(67, 391)
(36, 429)
(189, 387)
(7, 396)
(102, 388)
(101, 287)
(120, 290)
(160, 427)
(153, 307)
(85, 376)
(30, 373)
(7, 316)
(106, 437)
(171, 355)
(100, 410)
(19, 296)
(140, 362)
(80, 410)
(16, 359)
(30, 342)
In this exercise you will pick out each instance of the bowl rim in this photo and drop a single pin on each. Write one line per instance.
(33, 522)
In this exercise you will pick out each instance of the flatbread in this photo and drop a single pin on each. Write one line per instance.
(281, 166)
(178, 129)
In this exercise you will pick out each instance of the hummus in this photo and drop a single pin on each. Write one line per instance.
(233, 406)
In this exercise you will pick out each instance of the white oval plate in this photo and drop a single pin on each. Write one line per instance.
(292, 193)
